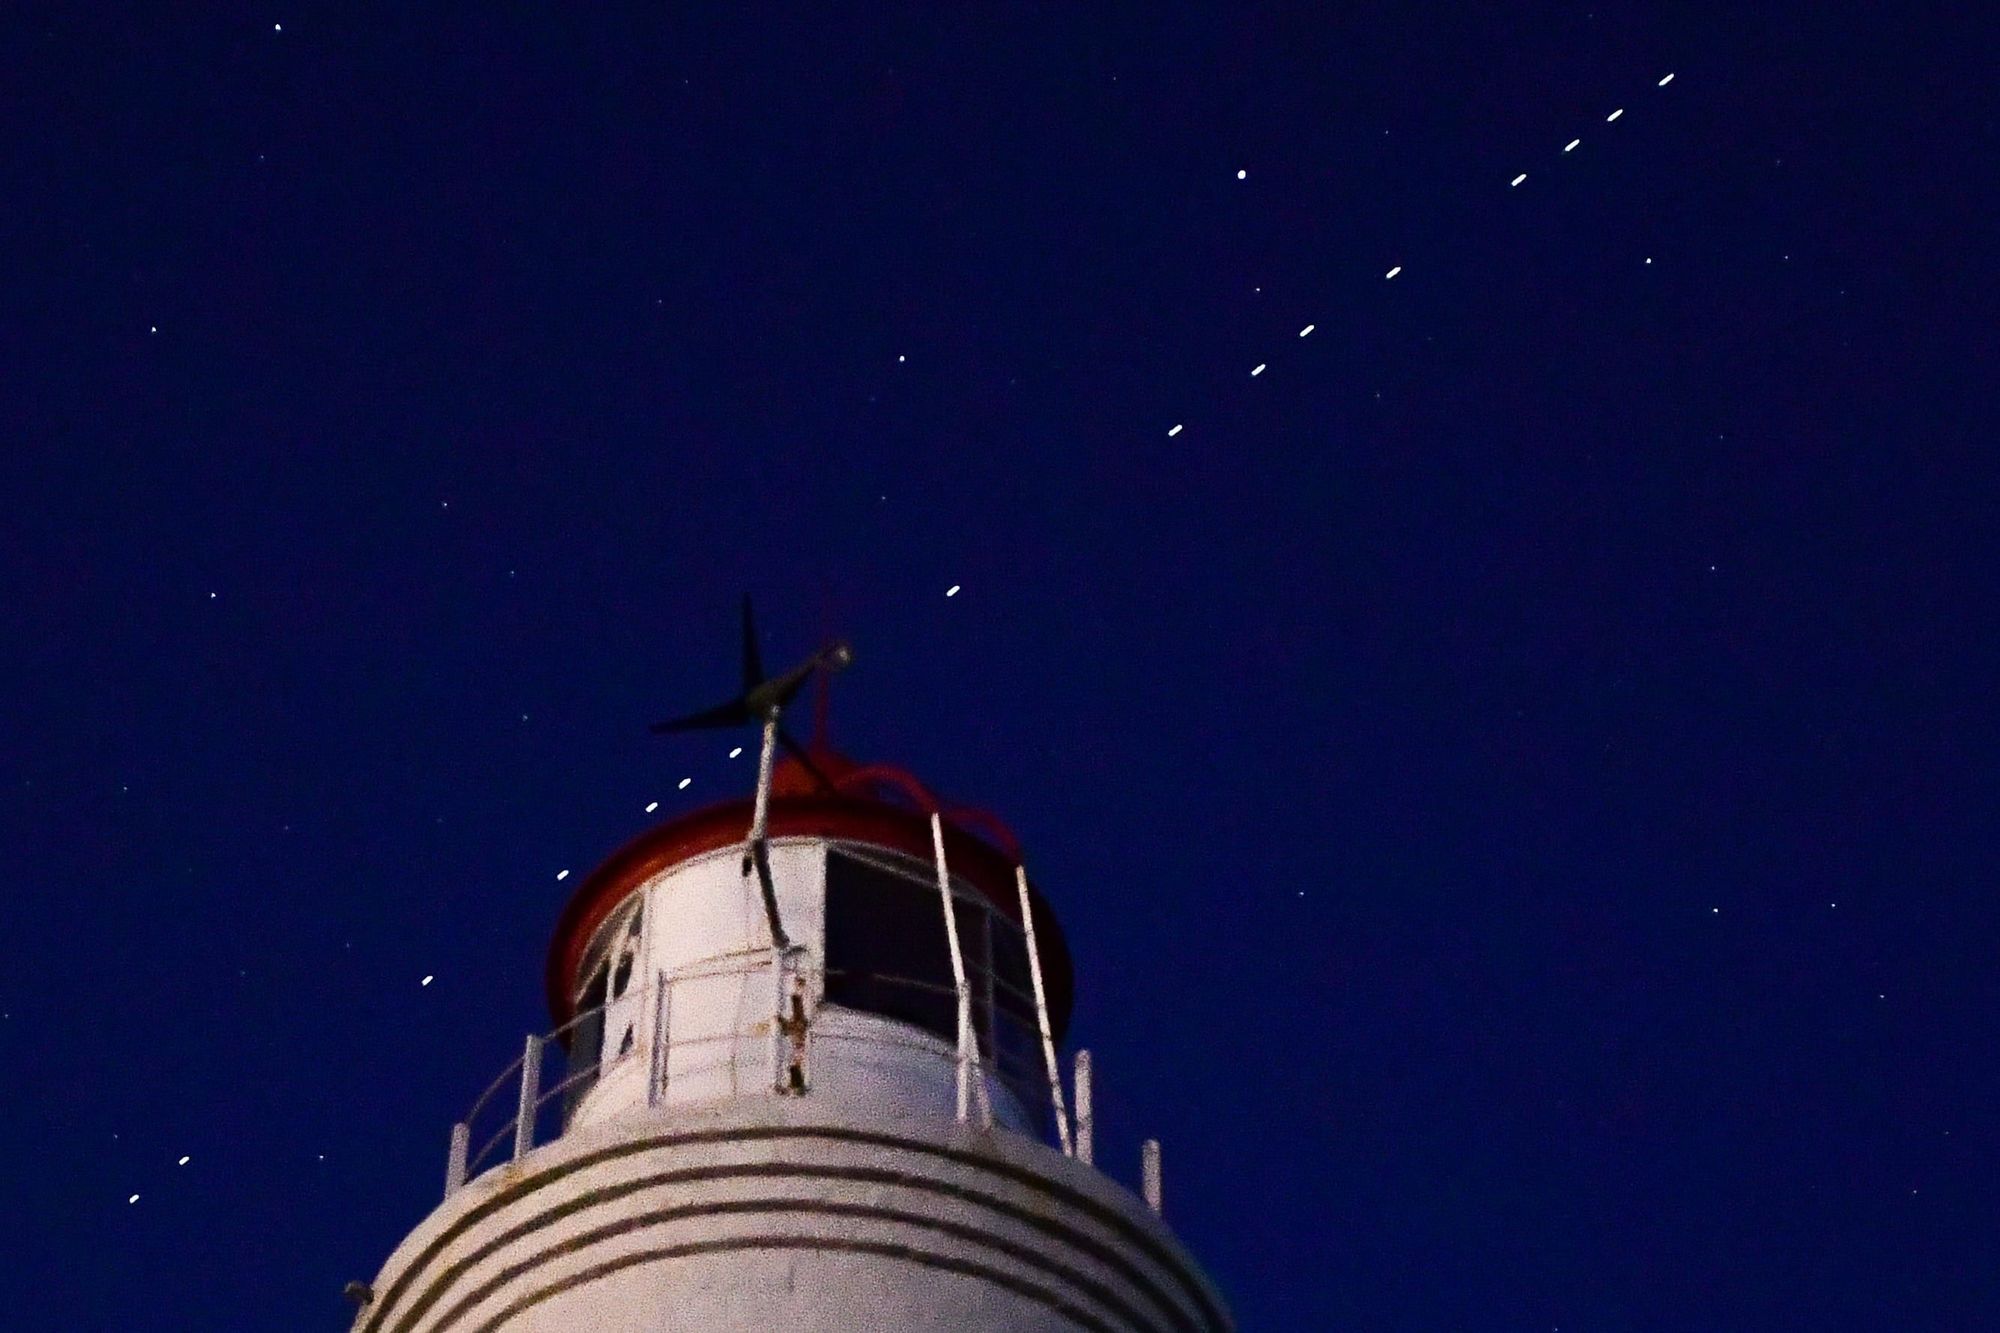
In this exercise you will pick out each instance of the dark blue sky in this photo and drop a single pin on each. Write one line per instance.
(1517, 775)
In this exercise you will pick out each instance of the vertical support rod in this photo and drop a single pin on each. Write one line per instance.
(1149, 1173)
(1086, 1118)
(755, 852)
(760, 815)
(778, 969)
(656, 1065)
(454, 1165)
(968, 1040)
(1042, 1014)
(531, 1079)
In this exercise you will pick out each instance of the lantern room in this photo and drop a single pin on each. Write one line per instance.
(669, 987)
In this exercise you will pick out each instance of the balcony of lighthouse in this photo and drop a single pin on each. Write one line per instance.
(680, 1000)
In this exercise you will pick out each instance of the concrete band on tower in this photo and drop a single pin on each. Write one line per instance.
(713, 1222)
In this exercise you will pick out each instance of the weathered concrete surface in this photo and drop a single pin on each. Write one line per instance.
(787, 1214)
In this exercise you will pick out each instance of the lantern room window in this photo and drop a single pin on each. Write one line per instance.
(603, 1009)
(887, 952)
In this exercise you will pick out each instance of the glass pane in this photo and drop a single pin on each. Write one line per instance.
(586, 1042)
(886, 951)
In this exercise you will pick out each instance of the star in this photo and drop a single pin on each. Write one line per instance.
(1241, 175)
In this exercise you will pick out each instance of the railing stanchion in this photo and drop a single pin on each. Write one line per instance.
(655, 1063)
(1042, 1014)
(969, 1074)
(531, 1078)
(1086, 1119)
(454, 1165)
(1149, 1173)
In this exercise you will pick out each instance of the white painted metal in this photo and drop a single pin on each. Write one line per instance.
(524, 1115)
(708, 940)
(454, 1168)
(656, 1041)
(1042, 1014)
(777, 1025)
(957, 969)
(1086, 1118)
(760, 816)
(1149, 1173)
(970, 1076)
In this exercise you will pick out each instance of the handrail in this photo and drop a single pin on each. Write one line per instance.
(1007, 1049)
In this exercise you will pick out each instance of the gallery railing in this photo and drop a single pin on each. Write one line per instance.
(535, 1097)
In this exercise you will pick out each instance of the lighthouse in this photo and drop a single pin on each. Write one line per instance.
(804, 1073)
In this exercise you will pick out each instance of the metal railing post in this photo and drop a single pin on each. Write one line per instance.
(1086, 1119)
(454, 1165)
(1042, 1014)
(969, 1074)
(531, 1078)
(1149, 1173)
(655, 1063)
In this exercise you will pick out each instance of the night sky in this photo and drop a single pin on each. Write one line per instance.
(1516, 774)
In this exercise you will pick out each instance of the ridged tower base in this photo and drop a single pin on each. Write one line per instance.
(775, 1214)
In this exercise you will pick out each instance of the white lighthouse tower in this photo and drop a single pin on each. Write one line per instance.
(803, 1077)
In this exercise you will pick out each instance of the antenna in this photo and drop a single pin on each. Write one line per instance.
(764, 701)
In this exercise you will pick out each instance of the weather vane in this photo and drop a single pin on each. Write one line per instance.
(764, 701)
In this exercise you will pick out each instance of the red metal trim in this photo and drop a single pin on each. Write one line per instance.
(841, 817)
(997, 833)
(858, 780)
